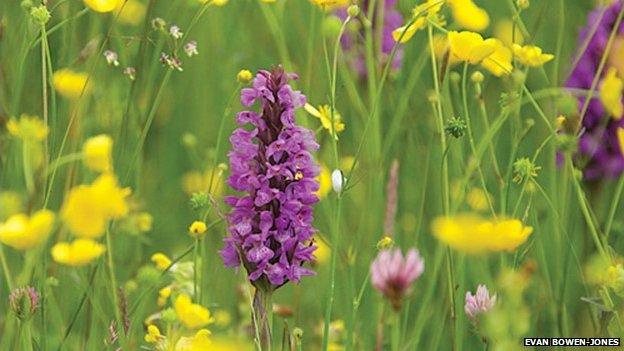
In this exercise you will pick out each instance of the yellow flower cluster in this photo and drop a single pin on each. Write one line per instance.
(77, 253)
(161, 261)
(499, 62)
(473, 234)
(611, 93)
(492, 53)
(71, 84)
(470, 46)
(244, 76)
(131, 13)
(322, 253)
(98, 153)
(421, 14)
(468, 15)
(163, 295)
(530, 55)
(153, 335)
(22, 232)
(197, 229)
(28, 128)
(103, 6)
(192, 315)
(198, 342)
(325, 182)
(323, 113)
(32, 131)
(88, 208)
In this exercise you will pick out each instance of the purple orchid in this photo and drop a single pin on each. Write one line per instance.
(270, 224)
(599, 150)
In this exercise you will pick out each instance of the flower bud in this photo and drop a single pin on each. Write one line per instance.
(455, 77)
(477, 77)
(385, 243)
(298, 334)
(337, 180)
(189, 140)
(560, 121)
(244, 76)
(456, 127)
(197, 229)
(40, 14)
(158, 23)
(353, 10)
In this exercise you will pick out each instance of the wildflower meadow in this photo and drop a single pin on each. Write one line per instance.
(190, 175)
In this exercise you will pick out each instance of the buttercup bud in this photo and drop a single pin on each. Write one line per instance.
(244, 76)
(353, 10)
(40, 14)
(477, 77)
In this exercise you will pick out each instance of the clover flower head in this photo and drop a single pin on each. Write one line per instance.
(24, 301)
(393, 275)
(479, 303)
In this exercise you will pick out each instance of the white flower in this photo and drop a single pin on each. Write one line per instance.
(338, 180)
(175, 32)
(111, 58)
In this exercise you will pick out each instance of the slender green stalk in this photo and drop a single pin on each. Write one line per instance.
(332, 284)
(44, 89)
(614, 205)
(262, 310)
(486, 124)
(27, 165)
(25, 335)
(336, 227)
(445, 180)
(471, 138)
(113, 278)
(149, 121)
(582, 201)
(396, 332)
(195, 266)
(5, 268)
(440, 124)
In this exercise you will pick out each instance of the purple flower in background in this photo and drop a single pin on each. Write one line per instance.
(599, 149)
(393, 275)
(270, 225)
(353, 42)
(479, 303)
